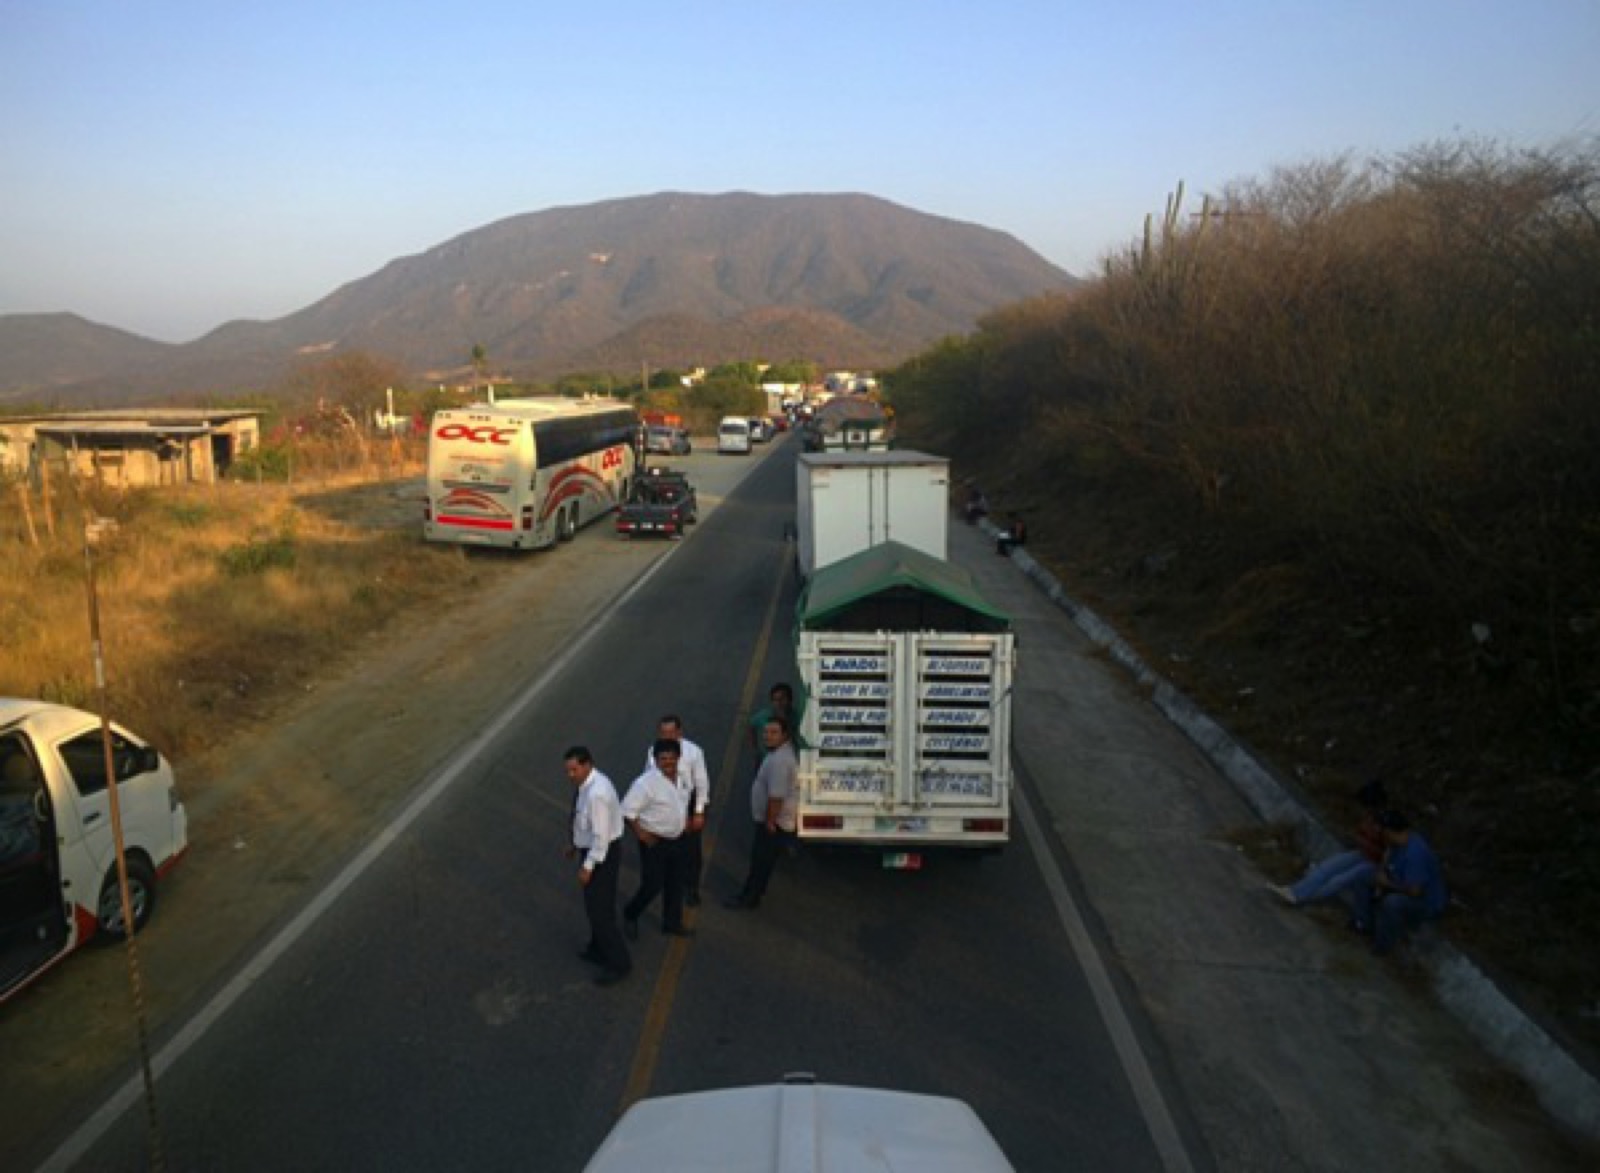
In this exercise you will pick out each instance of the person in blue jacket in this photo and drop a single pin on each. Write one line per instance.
(1408, 889)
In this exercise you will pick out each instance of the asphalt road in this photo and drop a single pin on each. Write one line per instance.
(430, 1010)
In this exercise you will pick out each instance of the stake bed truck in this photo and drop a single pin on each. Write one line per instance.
(905, 739)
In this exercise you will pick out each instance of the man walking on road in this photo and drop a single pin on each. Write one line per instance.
(774, 799)
(596, 837)
(693, 775)
(656, 807)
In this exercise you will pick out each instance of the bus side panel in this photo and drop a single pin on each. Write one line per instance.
(595, 482)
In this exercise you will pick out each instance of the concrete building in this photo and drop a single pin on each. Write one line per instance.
(129, 447)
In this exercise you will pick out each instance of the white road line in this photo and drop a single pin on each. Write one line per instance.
(1152, 1104)
(76, 1146)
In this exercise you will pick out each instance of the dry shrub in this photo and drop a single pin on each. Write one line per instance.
(1336, 440)
(213, 600)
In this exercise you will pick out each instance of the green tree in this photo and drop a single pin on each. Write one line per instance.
(725, 394)
(744, 372)
(480, 363)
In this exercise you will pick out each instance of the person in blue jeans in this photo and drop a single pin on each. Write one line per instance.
(1348, 870)
(1409, 888)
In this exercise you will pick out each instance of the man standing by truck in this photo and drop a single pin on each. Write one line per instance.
(774, 799)
(780, 703)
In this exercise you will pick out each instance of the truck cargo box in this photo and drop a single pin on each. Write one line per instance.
(846, 502)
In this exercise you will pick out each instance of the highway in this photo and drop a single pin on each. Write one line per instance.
(427, 1008)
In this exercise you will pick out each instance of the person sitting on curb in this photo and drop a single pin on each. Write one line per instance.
(1343, 872)
(1015, 534)
(1408, 890)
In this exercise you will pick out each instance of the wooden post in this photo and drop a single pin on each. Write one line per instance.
(44, 493)
(27, 512)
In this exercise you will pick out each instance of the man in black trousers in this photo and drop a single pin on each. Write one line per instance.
(597, 839)
(656, 807)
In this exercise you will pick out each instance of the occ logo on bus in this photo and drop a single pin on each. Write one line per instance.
(485, 435)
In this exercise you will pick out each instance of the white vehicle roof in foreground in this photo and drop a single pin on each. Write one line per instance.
(800, 1127)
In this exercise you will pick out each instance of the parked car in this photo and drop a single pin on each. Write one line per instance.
(58, 870)
(668, 441)
(733, 435)
(760, 430)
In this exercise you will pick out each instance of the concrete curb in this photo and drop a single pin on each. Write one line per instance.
(1564, 1087)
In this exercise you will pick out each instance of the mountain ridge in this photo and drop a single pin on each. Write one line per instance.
(665, 279)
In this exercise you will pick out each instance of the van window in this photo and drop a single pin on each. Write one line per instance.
(85, 760)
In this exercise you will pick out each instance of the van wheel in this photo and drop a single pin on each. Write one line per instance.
(141, 893)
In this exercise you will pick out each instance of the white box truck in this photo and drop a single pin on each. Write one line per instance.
(846, 502)
(905, 735)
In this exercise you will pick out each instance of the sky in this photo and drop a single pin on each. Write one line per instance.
(172, 165)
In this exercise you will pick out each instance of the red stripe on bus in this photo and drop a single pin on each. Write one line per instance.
(474, 522)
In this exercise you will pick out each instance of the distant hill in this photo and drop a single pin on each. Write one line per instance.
(664, 280)
(40, 353)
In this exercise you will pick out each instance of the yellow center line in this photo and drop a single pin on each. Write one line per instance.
(642, 1072)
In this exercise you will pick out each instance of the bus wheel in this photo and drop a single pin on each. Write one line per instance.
(567, 526)
(141, 894)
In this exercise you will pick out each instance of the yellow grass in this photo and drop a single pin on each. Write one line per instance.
(213, 600)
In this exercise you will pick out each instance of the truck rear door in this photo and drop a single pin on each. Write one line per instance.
(907, 738)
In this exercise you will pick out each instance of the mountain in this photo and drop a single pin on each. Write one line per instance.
(666, 280)
(42, 352)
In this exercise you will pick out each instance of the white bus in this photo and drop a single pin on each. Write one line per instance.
(527, 473)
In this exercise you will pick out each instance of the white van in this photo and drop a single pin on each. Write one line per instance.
(800, 1124)
(58, 872)
(733, 435)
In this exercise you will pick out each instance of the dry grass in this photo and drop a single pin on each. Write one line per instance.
(213, 600)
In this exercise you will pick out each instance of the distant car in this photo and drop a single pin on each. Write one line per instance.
(58, 869)
(667, 441)
(733, 435)
(760, 430)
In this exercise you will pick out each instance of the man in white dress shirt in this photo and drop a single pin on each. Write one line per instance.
(597, 841)
(693, 774)
(656, 807)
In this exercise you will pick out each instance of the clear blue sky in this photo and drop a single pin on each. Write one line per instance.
(170, 165)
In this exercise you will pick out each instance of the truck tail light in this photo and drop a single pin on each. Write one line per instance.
(987, 826)
(822, 823)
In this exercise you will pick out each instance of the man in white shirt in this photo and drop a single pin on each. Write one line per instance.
(656, 807)
(693, 774)
(596, 840)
